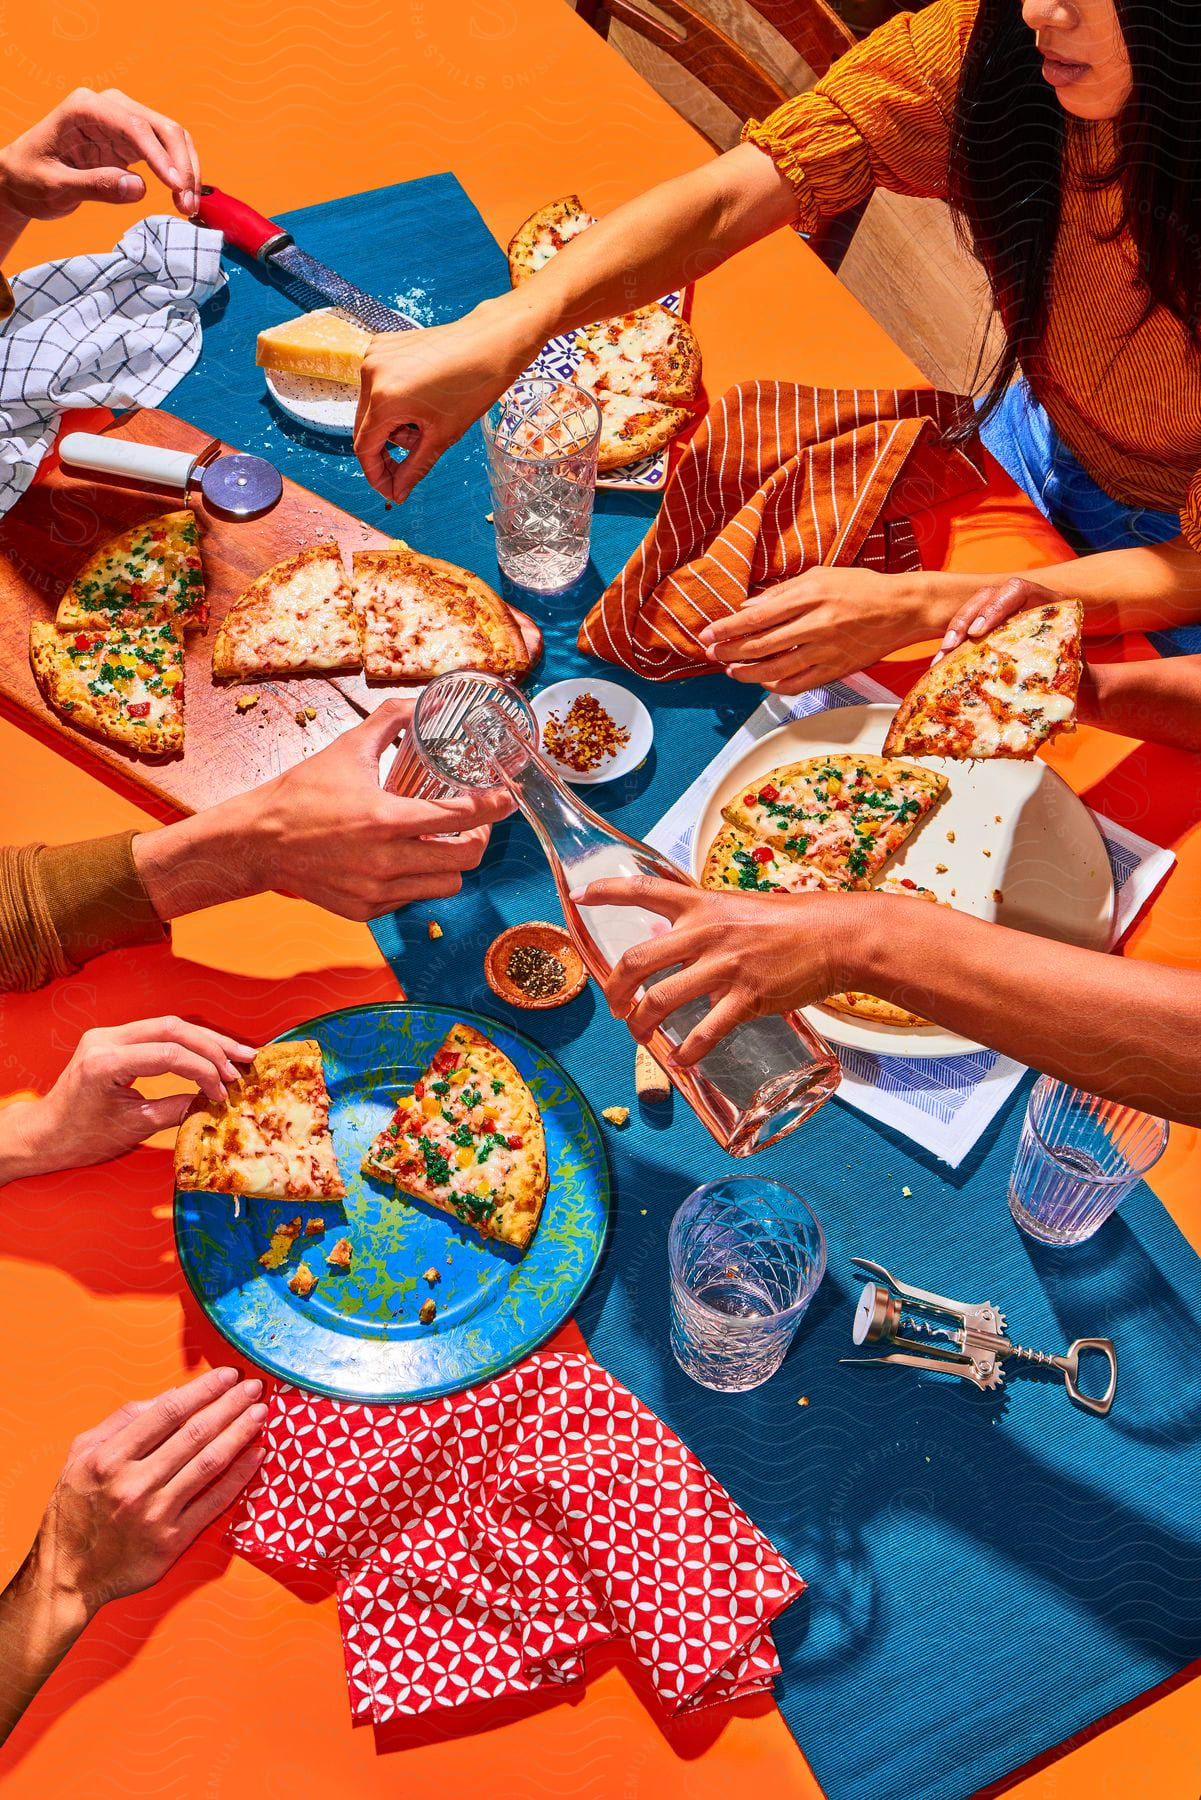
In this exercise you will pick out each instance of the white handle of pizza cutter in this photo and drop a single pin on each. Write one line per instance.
(126, 461)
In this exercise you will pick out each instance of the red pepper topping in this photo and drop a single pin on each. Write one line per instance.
(137, 592)
(762, 854)
(83, 641)
(769, 792)
(748, 799)
(905, 882)
(419, 1090)
(514, 1143)
(139, 710)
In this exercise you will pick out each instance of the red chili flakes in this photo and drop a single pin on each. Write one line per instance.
(585, 736)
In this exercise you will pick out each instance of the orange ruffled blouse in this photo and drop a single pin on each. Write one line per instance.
(1124, 396)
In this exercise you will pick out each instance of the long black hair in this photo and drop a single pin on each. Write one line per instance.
(1010, 140)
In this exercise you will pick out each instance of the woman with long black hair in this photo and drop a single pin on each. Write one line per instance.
(1066, 135)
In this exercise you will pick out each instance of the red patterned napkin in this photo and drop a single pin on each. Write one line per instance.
(481, 1542)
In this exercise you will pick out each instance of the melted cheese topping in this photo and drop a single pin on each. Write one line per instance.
(626, 355)
(122, 672)
(306, 619)
(1007, 702)
(548, 240)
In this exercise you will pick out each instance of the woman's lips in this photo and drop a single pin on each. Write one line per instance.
(1061, 73)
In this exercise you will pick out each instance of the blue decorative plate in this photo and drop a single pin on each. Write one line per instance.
(358, 1336)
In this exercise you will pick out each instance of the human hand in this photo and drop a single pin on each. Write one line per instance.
(93, 1112)
(423, 389)
(748, 954)
(327, 832)
(140, 1487)
(82, 151)
(819, 626)
(991, 606)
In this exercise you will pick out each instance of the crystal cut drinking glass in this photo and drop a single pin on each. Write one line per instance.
(541, 438)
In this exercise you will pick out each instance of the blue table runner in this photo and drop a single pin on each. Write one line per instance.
(988, 1573)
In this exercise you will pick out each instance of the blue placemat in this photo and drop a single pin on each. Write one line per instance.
(988, 1573)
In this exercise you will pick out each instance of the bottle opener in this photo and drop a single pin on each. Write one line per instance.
(958, 1337)
(234, 486)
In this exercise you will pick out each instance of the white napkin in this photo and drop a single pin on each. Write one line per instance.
(117, 329)
(944, 1103)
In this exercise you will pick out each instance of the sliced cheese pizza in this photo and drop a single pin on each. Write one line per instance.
(633, 427)
(1001, 695)
(423, 617)
(544, 234)
(297, 617)
(150, 574)
(739, 862)
(470, 1140)
(651, 352)
(271, 1137)
(126, 685)
(846, 814)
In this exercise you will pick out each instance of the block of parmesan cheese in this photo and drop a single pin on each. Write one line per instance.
(326, 344)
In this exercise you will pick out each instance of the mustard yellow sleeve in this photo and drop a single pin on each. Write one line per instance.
(61, 904)
(880, 118)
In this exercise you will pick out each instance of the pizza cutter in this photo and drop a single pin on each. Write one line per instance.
(234, 486)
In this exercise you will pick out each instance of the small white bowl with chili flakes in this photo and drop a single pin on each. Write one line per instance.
(592, 730)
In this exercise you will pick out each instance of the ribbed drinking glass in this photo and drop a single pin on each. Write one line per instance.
(1078, 1158)
(746, 1257)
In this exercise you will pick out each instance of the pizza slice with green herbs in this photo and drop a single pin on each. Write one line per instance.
(125, 685)
(845, 814)
(469, 1140)
(149, 575)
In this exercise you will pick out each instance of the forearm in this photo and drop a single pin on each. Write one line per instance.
(652, 245)
(1158, 699)
(40, 1619)
(202, 861)
(1147, 589)
(12, 220)
(1025, 997)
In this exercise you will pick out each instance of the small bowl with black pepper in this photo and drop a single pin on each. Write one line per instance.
(534, 965)
(592, 730)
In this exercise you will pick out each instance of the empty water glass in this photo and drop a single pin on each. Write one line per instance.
(746, 1256)
(1078, 1158)
(541, 437)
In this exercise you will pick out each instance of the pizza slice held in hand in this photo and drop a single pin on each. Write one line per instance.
(271, 1137)
(125, 684)
(297, 617)
(844, 814)
(423, 617)
(145, 576)
(469, 1140)
(1000, 695)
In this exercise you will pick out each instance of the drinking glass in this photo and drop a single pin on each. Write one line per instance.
(541, 437)
(451, 698)
(746, 1257)
(1078, 1158)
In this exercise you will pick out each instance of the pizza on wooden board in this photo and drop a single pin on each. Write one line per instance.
(423, 617)
(1004, 694)
(125, 684)
(544, 233)
(271, 1137)
(144, 576)
(295, 618)
(846, 814)
(470, 1140)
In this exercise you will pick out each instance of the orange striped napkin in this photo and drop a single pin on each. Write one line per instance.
(777, 479)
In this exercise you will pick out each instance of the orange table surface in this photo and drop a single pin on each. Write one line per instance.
(223, 1682)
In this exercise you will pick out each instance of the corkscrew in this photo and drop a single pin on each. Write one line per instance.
(958, 1337)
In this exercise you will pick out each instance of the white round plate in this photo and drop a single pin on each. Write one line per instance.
(328, 406)
(622, 707)
(1045, 856)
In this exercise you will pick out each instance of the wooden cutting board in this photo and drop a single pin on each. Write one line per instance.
(46, 537)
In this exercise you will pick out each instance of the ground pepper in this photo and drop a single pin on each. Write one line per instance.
(585, 736)
(536, 972)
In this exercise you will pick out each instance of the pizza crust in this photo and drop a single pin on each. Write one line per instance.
(543, 234)
(731, 861)
(297, 617)
(633, 427)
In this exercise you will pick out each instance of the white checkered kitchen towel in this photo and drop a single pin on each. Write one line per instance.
(116, 329)
(944, 1103)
